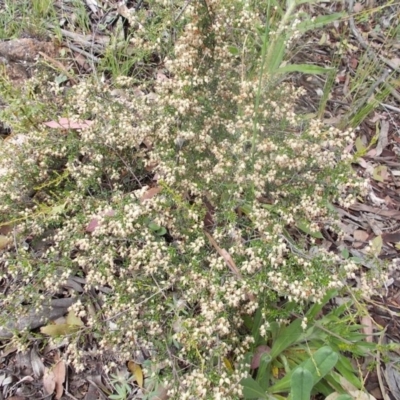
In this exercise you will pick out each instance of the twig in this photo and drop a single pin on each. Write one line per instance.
(229, 261)
(364, 43)
(139, 304)
(371, 53)
(84, 41)
(83, 52)
(392, 108)
(182, 10)
(70, 395)
(371, 90)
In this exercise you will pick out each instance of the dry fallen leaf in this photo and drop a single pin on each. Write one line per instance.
(360, 235)
(16, 398)
(368, 329)
(4, 241)
(229, 261)
(67, 123)
(59, 378)
(380, 173)
(94, 222)
(393, 379)
(137, 372)
(49, 383)
(150, 193)
(37, 364)
(358, 7)
(393, 237)
(71, 325)
(383, 140)
(395, 214)
(260, 350)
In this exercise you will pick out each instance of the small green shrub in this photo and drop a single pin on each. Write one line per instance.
(308, 355)
(193, 198)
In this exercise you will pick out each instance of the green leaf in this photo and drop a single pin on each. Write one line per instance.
(60, 79)
(248, 321)
(305, 227)
(233, 50)
(58, 209)
(301, 384)
(287, 335)
(274, 328)
(276, 54)
(317, 307)
(360, 147)
(347, 371)
(72, 319)
(264, 371)
(153, 226)
(157, 229)
(319, 364)
(320, 21)
(305, 69)
(252, 390)
(161, 232)
(255, 330)
(326, 385)
(376, 246)
(357, 260)
(379, 173)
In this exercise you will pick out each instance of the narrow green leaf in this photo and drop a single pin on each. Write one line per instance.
(255, 330)
(252, 390)
(320, 21)
(305, 69)
(276, 55)
(301, 384)
(317, 307)
(287, 335)
(360, 147)
(347, 371)
(264, 371)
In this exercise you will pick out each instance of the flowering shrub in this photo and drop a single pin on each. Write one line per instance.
(181, 206)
